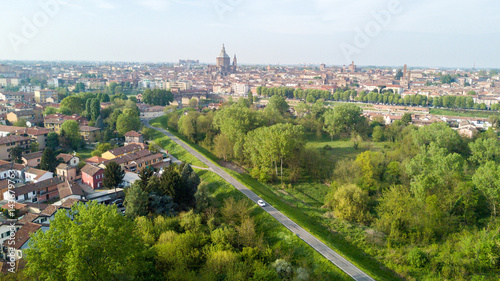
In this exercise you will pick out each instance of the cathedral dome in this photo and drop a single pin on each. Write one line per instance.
(223, 53)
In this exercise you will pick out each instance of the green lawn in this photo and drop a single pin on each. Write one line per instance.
(176, 150)
(85, 153)
(340, 149)
(463, 112)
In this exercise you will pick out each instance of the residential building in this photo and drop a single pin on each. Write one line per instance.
(151, 112)
(133, 136)
(21, 239)
(36, 192)
(54, 122)
(9, 142)
(68, 159)
(66, 171)
(90, 134)
(92, 176)
(43, 96)
(32, 159)
(123, 150)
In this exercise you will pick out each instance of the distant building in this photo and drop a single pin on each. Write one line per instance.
(223, 64)
(133, 136)
(43, 96)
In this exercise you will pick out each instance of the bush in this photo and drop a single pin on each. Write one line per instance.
(417, 258)
(327, 147)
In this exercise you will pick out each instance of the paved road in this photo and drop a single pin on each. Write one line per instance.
(319, 246)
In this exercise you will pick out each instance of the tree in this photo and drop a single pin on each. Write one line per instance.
(378, 134)
(193, 103)
(136, 201)
(52, 141)
(406, 119)
(399, 75)
(99, 123)
(349, 202)
(113, 175)
(344, 119)
(487, 179)
(191, 180)
(278, 103)
(223, 147)
(71, 131)
(34, 146)
(234, 122)
(21, 122)
(485, 150)
(74, 103)
(16, 153)
(95, 109)
(442, 135)
(49, 110)
(48, 161)
(128, 121)
(172, 185)
(187, 125)
(250, 97)
(91, 241)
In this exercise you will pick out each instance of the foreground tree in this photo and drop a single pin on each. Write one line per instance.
(89, 242)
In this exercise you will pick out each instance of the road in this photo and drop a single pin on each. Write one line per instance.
(319, 246)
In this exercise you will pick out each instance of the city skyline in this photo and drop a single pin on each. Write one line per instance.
(285, 32)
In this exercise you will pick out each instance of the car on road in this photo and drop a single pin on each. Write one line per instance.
(261, 203)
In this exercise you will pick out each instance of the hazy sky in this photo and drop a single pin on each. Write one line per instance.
(458, 33)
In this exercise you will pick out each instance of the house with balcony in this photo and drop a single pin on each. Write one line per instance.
(9, 142)
(35, 192)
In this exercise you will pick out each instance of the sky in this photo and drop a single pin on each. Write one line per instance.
(423, 33)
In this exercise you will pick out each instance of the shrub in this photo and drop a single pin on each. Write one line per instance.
(417, 258)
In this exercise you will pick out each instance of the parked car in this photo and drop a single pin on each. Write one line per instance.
(118, 203)
(261, 203)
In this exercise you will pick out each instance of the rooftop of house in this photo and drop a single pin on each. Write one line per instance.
(23, 235)
(65, 157)
(70, 188)
(90, 169)
(18, 191)
(33, 155)
(13, 138)
(133, 134)
(125, 149)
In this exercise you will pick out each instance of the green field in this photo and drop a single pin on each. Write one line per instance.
(303, 201)
(463, 112)
(340, 149)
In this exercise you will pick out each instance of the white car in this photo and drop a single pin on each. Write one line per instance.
(261, 203)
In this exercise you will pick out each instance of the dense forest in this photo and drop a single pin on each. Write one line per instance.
(425, 204)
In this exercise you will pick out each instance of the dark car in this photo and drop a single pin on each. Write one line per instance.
(118, 203)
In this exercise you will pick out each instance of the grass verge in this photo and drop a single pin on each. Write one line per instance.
(176, 150)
